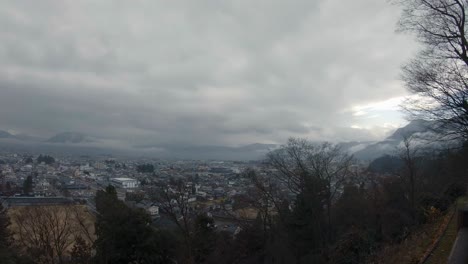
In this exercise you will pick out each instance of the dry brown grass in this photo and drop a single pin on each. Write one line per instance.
(444, 247)
(246, 213)
(415, 246)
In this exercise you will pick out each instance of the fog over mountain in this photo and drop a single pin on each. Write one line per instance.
(70, 137)
(422, 134)
(81, 143)
(5, 134)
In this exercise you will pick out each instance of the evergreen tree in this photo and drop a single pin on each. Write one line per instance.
(145, 168)
(28, 160)
(28, 185)
(46, 159)
(204, 237)
(306, 225)
(124, 235)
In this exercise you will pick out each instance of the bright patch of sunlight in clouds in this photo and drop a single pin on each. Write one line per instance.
(392, 104)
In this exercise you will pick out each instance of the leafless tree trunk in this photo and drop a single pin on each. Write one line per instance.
(173, 201)
(408, 155)
(84, 226)
(332, 166)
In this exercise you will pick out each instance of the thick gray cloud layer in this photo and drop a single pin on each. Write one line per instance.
(201, 72)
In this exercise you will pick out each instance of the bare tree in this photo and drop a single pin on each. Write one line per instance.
(438, 75)
(267, 197)
(48, 232)
(408, 154)
(83, 224)
(301, 162)
(332, 166)
(174, 203)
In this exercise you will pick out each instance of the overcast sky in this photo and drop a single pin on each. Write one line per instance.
(202, 72)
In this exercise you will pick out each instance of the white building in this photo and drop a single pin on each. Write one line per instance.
(153, 210)
(124, 182)
(86, 167)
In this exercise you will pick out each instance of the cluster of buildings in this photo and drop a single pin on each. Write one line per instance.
(216, 188)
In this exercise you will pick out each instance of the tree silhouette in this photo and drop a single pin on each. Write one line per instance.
(5, 237)
(437, 76)
(124, 235)
(28, 185)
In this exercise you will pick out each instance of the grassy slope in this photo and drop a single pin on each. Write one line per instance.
(442, 251)
(444, 247)
(413, 249)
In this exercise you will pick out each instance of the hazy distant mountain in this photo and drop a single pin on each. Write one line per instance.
(416, 126)
(378, 149)
(258, 147)
(386, 164)
(419, 130)
(70, 137)
(247, 152)
(73, 142)
(27, 137)
(4, 134)
(354, 146)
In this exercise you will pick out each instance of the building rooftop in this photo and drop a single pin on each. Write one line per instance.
(123, 179)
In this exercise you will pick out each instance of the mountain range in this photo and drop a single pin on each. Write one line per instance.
(5, 134)
(423, 134)
(70, 137)
(75, 142)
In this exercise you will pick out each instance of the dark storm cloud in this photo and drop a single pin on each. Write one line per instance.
(204, 72)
